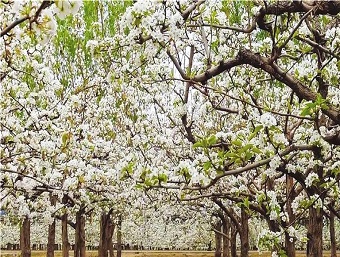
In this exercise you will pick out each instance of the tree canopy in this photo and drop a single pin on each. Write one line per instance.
(231, 106)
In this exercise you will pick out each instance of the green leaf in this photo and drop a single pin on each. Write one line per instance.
(162, 177)
(237, 142)
(8, 139)
(313, 107)
(148, 182)
(81, 179)
(249, 155)
(144, 173)
(255, 132)
(232, 155)
(207, 165)
(139, 186)
(246, 203)
(128, 169)
(308, 110)
(282, 253)
(336, 171)
(199, 144)
(212, 140)
(65, 137)
(256, 150)
(247, 147)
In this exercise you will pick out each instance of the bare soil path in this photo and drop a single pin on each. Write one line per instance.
(134, 253)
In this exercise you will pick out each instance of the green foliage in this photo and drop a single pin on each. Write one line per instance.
(206, 142)
(207, 165)
(185, 173)
(261, 198)
(336, 171)
(282, 253)
(241, 153)
(154, 180)
(162, 177)
(238, 152)
(233, 10)
(91, 17)
(311, 108)
(271, 242)
(65, 41)
(116, 9)
(261, 35)
(255, 132)
(245, 203)
(306, 203)
(127, 171)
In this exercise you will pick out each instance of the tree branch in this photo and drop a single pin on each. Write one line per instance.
(43, 6)
(318, 46)
(30, 177)
(14, 24)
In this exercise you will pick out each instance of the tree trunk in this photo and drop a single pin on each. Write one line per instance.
(110, 236)
(289, 245)
(102, 250)
(233, 241)
(79, 247)
(226, 239)
(244, 233)
(25, 238)
(119, 236)
(332, 234)
(51, 240)
(314, 233)
(51, 232)
(64, 235)
(218, 239)
(112, 254)
(106, 234)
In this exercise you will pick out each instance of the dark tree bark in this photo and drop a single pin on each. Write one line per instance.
(119, 236)
(218, 239)
(315, 223)
(235, 223)
(102, 250)
(106, 234)
(79, 248)
(25, 238)
(332, 234)
(314, 233)
(289, 245)
(51, 240)
(64, 235)
(110, 243)
(233, 240)
(111, 251)
(226, 237)
(244, 233)
(51, 232)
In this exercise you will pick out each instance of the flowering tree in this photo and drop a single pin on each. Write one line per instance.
(250, 89)
(232, 101)
(57, 124)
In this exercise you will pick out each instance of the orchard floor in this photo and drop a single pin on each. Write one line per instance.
(4, 253)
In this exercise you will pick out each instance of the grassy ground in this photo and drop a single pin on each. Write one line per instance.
(149, 254)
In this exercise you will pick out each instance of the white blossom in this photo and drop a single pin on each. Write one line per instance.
(267, 120)
(311, 178)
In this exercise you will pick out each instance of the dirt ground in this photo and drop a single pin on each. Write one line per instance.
(4, 253)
